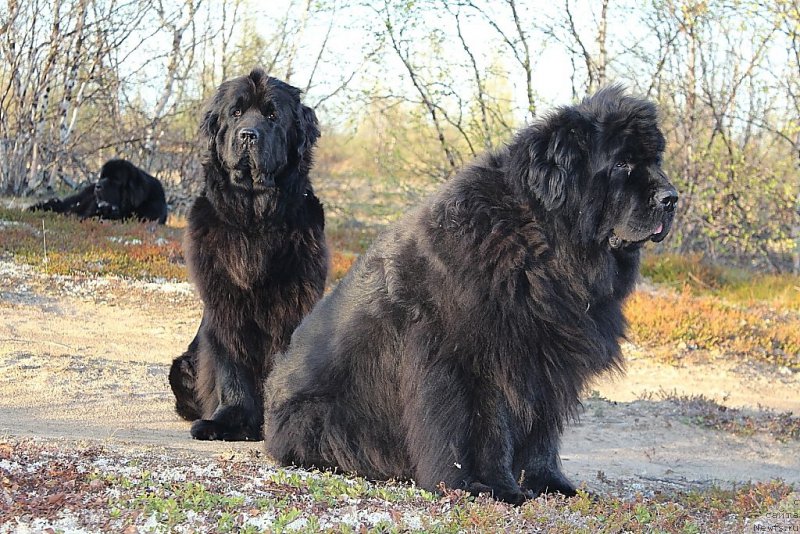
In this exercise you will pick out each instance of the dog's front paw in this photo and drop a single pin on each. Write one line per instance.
(550, 483)
(207, 430)
(510, 496)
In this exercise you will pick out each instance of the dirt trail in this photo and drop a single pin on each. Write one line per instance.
(87, 360)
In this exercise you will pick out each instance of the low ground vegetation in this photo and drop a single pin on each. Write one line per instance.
(685, 310)
(61, 489)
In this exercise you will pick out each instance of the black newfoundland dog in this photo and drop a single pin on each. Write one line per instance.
(457, 347)
(256, 252)
(123, 191)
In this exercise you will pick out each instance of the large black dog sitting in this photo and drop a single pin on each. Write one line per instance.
(123, 191)
(256, 252)
(458, 345)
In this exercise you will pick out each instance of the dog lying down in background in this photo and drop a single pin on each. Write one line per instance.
(123, 191)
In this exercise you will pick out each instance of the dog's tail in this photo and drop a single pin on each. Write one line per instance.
(182, 378)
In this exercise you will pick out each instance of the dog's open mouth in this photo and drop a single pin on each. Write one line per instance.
(657, 235)
(663, 228)
(660, 233)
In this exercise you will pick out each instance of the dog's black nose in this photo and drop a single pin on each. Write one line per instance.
(248, 134)
(667, 198)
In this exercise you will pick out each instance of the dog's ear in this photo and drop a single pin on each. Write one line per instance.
(547, 157)
(309, 131)
(136, 187)
(209, 126)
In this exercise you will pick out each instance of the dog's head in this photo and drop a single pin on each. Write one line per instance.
(119, 189)
(257, 129)
(598, 166)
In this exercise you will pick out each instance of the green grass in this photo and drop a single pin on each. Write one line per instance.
(172, 505)
(710, 510)
(126, 491)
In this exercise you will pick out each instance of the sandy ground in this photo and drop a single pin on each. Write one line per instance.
(87, 360)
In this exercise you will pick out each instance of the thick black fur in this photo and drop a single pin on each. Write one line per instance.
(457, 347)
(123, 191)
(256, 252)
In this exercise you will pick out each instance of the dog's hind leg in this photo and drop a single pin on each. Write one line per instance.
(461, 439)
(183, 381)
(293, 431)
(319, 429)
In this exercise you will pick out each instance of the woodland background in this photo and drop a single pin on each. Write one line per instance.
(699, 435)
(408, 91)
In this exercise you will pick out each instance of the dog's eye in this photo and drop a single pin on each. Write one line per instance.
(272, 115)
(237, 112)
(625, 166)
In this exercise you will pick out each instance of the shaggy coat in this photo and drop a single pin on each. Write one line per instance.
(457, 348)
(255, 249)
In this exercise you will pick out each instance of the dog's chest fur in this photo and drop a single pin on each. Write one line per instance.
(241, 258)
(245, 258)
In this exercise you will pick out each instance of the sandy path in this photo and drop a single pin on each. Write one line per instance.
(88, 360)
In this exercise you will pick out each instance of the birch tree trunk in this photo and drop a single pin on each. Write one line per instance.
(179, 62)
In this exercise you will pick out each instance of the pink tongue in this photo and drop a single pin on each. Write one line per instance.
(658, 230)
